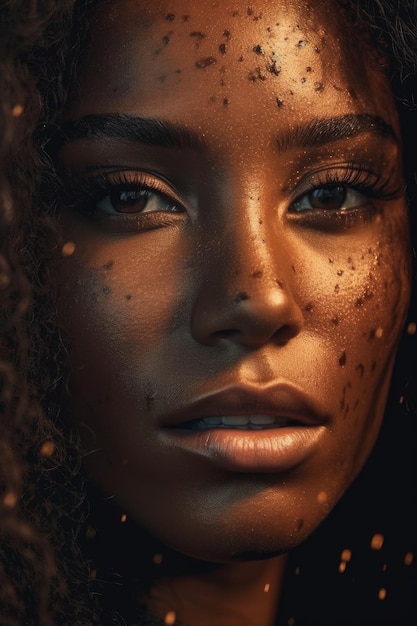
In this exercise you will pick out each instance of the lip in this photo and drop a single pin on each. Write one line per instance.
(271, 450)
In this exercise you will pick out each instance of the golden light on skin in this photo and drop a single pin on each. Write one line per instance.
(409, 558)
(170, 618)
(382, 594)
(47, 449)
(10, 500)
(267, 588)
(377, 541)
(412, 328)
(17, 110)
(68, 249)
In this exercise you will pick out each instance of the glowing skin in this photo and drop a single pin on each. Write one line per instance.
(241, 286)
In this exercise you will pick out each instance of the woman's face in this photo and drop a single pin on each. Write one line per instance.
(235, 272)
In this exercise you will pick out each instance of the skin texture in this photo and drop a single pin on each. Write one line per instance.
(233, 288)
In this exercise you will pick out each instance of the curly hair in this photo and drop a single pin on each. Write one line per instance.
(45, 577)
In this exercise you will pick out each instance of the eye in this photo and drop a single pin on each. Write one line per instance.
(125, 199)
(329, 198)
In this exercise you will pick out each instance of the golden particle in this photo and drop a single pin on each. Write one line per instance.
(267, 588)
(17, 110)
(170, 618)
(47, 449)
(412, 328)
(382, 594)
(377, 541)
(68, 248)
(342, 567)
(123, 519)
(379, 332)
(10, 500)
(157, 559)
(409, 558)
(346, 555)
(322, 497)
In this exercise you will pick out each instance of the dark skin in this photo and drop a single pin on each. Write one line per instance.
(263, 264)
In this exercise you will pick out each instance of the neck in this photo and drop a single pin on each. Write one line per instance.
(238, 594)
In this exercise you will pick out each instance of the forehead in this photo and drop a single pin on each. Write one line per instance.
(228, 57)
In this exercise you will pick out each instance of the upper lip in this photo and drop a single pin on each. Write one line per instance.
(279, 399)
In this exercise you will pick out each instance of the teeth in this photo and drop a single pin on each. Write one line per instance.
(236, 420)
(239, 422)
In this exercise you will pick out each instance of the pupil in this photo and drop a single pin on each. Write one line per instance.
(328, 198)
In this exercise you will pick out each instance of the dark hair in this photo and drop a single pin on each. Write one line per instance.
(45, 576)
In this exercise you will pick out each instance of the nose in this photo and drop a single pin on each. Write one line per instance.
(245, 294)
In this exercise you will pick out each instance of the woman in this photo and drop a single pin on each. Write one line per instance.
(231, 286)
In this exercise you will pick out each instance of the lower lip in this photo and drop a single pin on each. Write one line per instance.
(272, 450)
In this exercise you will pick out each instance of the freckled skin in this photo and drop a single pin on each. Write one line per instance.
(185, 309)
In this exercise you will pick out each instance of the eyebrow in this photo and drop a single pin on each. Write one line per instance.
(166, 134)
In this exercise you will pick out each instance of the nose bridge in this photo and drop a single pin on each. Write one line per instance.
(243, 292)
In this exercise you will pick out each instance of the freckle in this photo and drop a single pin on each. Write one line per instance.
(294, 269)
(225, 102)
(309, 69)
(106, 290)
(309, 307)
(331, 260)
(68, 249)
(256, 75)
(257, 274)
(342, 359)
(250, 11)
(178, 71)
(242, 296)
(280, 102)
(165, 40)
(273, 68)
(198, 35)
(260, 221)
(108, 265)
(186, 18)
(359, 302)
(336, 321)
(213, 99)
(241, 59)
(301, 44)
(300, 524)
(222, 48)
(360, 369)
(337, 288)
(227, 34)
(258, 50)
(170, 17)
(235, 13)
(128, 296)
(340, 273)
(319, 87)
(205, 62)
(162, 78)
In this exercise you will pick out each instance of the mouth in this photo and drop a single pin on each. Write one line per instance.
(249, 429)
